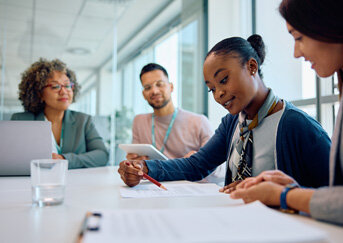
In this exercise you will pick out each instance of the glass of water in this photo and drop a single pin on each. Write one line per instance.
(48, 179)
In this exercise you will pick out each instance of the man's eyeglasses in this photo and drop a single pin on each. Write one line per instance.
(158, 84)
(57, 87)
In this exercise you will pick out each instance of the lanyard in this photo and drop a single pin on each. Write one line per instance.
(167, 133)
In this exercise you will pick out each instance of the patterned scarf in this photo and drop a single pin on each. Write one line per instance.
(244, 145)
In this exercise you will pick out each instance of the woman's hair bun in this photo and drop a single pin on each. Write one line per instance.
(257, 43)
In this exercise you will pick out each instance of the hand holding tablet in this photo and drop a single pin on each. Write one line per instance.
(143, 150)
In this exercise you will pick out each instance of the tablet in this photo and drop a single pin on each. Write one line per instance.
(143, 149)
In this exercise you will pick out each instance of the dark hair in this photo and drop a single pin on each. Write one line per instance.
(35, 78)
(253, 47)
(319, 19)
(151, 67)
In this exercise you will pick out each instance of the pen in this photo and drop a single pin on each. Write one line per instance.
(89, 225)
(150, 179)
(84, 227)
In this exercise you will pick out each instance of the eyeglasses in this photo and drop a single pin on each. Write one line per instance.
(57, 87)
(158, 84)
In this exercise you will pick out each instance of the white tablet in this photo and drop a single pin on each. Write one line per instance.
(143, 149)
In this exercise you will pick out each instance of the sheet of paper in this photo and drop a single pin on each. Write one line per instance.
(174, 190)
(247, 223)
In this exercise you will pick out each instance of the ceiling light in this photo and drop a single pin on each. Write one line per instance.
(78, 50)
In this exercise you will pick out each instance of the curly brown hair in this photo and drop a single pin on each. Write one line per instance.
(35, 78)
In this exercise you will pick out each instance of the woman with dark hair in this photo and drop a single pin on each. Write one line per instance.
(317, 27)
(46, 90)
(261, 132)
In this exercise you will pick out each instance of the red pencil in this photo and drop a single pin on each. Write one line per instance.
(154, 181)
(150, 179)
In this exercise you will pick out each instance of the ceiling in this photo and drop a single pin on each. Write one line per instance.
(79, 32)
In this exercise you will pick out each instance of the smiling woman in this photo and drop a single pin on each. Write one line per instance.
(260, 133)
(46, 91)
(317, 28)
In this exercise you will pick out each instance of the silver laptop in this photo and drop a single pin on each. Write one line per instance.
(21, 142)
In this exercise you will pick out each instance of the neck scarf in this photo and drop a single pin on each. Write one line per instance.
(244, 145)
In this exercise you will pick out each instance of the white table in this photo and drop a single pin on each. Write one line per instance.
(87, 189)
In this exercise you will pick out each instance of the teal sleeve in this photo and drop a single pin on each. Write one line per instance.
(96, 153)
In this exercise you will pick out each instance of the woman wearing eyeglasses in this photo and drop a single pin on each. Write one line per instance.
(46, 91)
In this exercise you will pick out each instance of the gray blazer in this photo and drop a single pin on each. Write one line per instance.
(82, 145)
(327, 202)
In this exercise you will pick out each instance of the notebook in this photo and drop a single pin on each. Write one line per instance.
(21, 142)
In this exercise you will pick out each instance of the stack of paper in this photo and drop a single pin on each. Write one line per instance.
(247, 223)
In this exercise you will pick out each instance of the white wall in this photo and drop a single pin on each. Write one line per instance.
(282, 72)
(226, 18)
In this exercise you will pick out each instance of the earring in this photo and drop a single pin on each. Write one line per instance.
(253, 72)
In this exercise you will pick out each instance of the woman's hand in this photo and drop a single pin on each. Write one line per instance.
(275, 176)
(267, 192)
(230, 188)
(131, 156)
(131, 172)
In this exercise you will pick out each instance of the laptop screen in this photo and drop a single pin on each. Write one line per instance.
(21, 142)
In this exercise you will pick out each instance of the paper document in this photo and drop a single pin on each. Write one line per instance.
(174, 190)
(247, 223)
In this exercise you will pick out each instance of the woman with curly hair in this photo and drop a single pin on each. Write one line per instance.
(46, 90)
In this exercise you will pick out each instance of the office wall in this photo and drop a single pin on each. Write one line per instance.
(281, 70)
(226, 18)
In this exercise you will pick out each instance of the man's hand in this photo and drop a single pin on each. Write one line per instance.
(131, 172)
(57, 156)
(131, 156)
(189, 154)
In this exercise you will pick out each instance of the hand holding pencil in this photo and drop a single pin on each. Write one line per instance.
(131, 171)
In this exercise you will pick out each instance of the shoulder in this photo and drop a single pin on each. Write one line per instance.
(78, 115)
(295, 123)
(293, 116)
(23, 116)
(192, 117)
(229, 120)
(141, 117)
(79, 118)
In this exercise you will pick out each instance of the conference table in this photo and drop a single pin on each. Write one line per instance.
(88, 189)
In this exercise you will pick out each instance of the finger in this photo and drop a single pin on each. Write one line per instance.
(238, 194)
(229, 190)
(280, 179)
(243, 183)
(132, 180)
(251, 182)
(137, 165)
(233, 185)
(130, 169)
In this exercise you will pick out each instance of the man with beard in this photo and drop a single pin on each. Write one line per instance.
(173, 131)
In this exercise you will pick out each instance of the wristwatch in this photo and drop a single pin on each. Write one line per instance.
(283, 202)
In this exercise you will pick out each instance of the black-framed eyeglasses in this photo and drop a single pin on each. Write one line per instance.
(57, 87)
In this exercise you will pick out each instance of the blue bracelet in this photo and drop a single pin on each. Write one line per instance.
(283, 202)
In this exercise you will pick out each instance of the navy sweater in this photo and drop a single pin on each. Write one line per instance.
(302, 151)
